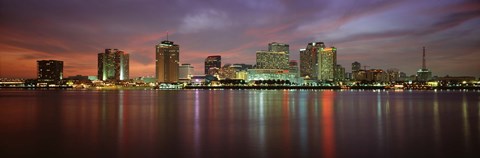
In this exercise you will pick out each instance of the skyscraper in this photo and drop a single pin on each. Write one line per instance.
(356, 66)
(113, 65)
(424, 74)
(339, 73)
(276, 57)
(327, 61)
(167, 61)
(185, 71)
(49, 71)
(309, 59)
(214, 61)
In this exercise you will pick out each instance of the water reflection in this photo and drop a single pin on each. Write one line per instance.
(466, 123)
(197, 128)
(239, 123)
(328, 124)
(436, 122)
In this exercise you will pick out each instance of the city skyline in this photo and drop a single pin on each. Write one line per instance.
(380, 34)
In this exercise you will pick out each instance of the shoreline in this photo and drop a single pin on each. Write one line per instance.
(247, 88)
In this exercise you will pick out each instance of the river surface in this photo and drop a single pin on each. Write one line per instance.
(239, 123)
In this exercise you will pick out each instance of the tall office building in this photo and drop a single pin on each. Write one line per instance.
(213, 62)
(167, 62)
(327, 61)
(309, 59)
(113, 65)
(356, 66)
(424, 74)
(49, 71)
(185, 71)
(339, 73)
(276, 57)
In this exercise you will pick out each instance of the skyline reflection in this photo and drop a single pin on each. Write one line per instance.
(239, 123)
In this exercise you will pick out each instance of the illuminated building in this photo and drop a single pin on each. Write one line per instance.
(360, 75)
(243, 66)
(393, 74)
(309, 60)
(424, 74)
(228, 72)
(276, 57)
(270, 74)
(185, 71)
(356, 66)
(272, 60)
(113, 65)
(49, 71)
(235, 67)
(212, 62)
(357, 73)
(339, 73)
(167, 62)
(293, 67)
(327, 61)
(243, 75)
(376, 75)
(213, 71)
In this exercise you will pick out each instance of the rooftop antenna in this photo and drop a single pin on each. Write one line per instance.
(167, 35)
(423, 62)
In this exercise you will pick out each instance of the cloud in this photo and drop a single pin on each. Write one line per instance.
(451, 21)
(370, 31)
(204, 20)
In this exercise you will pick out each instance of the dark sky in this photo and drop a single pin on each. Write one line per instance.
(378, 33)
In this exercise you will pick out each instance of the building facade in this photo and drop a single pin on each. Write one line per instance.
(356, 66)
(227, 72)
(272, 60)
(357, 73)
(167, 62)
(339, 73)
(49, 71)
(376, 75)
(213, 62)
(293, 68)
(113, 65)
(309, 60)
(185, 71)
(270, 74)
(276, 57)
(393, 74)
(327, 62)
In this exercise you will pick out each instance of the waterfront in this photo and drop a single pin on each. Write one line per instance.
(239, 123)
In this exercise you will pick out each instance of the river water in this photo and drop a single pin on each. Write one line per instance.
(239, 123)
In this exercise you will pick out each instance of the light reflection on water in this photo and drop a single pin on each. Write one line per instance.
(239, 123)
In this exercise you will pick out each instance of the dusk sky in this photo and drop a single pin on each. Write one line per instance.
(378, 33)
